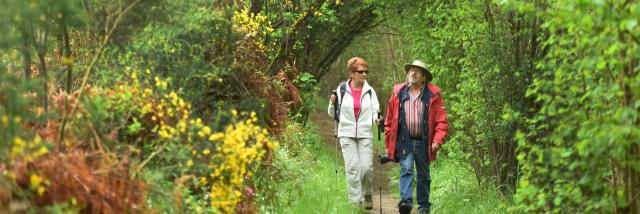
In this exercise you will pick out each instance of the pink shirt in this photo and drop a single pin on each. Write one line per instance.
(356, 100)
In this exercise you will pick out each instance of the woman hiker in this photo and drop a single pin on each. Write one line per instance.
(355, 106)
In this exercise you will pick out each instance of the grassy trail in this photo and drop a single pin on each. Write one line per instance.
(453, 188)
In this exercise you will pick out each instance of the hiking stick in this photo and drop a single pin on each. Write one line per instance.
(380, 129)
(337, 121)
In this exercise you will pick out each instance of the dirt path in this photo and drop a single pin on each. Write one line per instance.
(389, 201)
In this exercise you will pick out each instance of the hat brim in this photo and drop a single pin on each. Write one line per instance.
(427, 73)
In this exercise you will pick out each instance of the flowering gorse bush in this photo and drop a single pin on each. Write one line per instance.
(219, 161)
(242, 144)
(255, 25)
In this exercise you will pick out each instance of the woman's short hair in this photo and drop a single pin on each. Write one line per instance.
(353, 63)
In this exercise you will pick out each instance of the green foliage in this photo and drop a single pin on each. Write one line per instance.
(454, 189)
(12, 111)
(309, 89)
(542, 96)
(307, 176)
(482, 63)
(564, 73)
(584, 136)
(187, 44)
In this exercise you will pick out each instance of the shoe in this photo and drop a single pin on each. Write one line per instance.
(405, 208)
(424, 212)
(368, 201)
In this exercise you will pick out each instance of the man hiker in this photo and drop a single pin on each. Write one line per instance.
(415, 128)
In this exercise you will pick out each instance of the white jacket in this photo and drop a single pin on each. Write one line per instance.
(369, 106)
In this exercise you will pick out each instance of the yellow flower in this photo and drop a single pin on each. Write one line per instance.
(147, 108)
(216, 137)
(5, 120)
(17, 141)
(190, 163)
(43, 150)
(203, 180)
(35, 180)
(158, 82)
(41, 190)
(206, 130)
(206, 151)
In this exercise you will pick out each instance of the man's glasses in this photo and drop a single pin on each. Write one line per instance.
(362, 71)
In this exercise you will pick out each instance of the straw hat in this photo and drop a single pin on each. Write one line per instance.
(422, 66)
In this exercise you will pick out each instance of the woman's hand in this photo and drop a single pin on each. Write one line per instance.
(332, 99)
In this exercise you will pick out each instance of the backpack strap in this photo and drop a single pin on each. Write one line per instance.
(343, 89)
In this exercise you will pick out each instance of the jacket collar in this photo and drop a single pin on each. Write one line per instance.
(429, 91)
(365, 86)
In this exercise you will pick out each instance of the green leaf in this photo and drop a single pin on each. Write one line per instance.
(134, 127)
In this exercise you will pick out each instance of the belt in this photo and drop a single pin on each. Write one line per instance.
(415, 138)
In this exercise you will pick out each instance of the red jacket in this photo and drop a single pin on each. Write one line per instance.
(437, 121)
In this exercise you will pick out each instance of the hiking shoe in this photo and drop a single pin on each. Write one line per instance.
(368, 201)
(405, 208)
(357, 205)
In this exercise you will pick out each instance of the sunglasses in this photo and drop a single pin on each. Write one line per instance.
(362, 71)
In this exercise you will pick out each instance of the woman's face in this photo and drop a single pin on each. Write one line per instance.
(360, 74)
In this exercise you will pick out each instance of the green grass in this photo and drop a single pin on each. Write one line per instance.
(453, 189)
(321, 103)
(453, 186)
(314, 187)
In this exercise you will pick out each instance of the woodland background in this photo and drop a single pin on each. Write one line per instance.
(134, 106)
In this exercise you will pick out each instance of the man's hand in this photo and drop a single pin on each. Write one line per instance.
(332, 99)
(435, 146)
(379, 121)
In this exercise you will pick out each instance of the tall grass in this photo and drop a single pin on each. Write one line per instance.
(454, 189)
(313, 186)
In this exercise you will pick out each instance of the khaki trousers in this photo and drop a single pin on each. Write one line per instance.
(358, 155)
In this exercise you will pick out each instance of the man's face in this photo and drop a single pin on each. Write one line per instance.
(415, 76)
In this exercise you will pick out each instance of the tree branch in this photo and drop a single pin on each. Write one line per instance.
(106, 39)
(291, 38)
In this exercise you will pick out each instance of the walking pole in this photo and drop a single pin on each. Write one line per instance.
(380, 129)
(335, 135)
